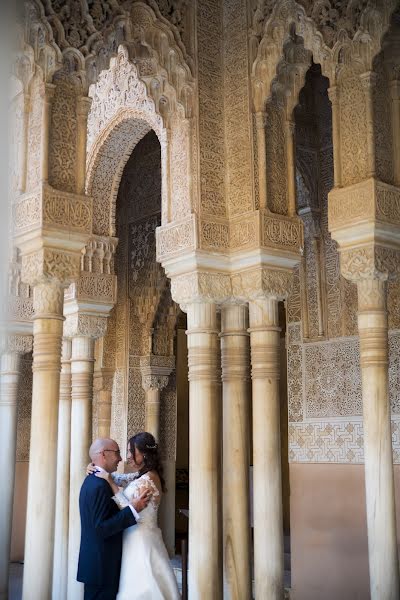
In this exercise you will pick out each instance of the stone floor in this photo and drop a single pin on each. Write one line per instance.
(16, 570)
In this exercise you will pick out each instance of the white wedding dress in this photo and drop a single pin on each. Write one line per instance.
(146, 573)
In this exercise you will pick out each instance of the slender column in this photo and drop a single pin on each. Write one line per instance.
(82, 111)
(39, 536)
(333, 93)
(381, 515)
(368, 81)
(262, 161)
(104, 402)
(395, 96)
(316, 244)
(153, 411)
(60, 568)
(82, 363)
(204, 577)
(268, 520)
(24, 145)
(9, 376)
(235, 359)
(291, 166)
(153, 385)
(47, 95)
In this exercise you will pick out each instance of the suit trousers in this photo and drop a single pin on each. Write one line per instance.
(100, 592)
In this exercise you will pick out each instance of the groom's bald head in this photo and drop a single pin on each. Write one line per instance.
(104, 452)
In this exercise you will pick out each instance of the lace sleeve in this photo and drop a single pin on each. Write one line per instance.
(123, 479)
(121, 500)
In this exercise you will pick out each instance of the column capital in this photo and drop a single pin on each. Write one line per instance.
(201, 286)
(260, 117)
(50, 266)
(79, 324)
(370, 262)
(364, 219)
(50, 228)
(97, 284)
(156, 370)
(14, 343)
(334, 94)
(368, 80)
(83, 104)
(154, 382)
(262, 282)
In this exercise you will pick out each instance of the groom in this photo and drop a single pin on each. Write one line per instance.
(102, 524)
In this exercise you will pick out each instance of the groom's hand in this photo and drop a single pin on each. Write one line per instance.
(140, 503)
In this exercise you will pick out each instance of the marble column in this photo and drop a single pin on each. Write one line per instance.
(102, 385)
(39, 534)
(379, 485)
(235, 359)
(395, 105)
(152, 385)
(9, 377)
(60, 564)
(368, 81)
(291, 166)
(267, 487)
(82, 363)
(205, 579)
(333, 93)
(261, 154)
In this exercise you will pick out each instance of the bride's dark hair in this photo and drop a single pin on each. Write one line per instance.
(147, 445)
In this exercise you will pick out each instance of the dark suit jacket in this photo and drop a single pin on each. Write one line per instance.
(102, 524)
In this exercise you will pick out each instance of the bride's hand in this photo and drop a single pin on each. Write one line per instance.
(103, 475)
(91, 468)
(107, 477)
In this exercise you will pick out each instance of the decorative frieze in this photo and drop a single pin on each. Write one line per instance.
(365, 201)
(340, 442)
(49, 207)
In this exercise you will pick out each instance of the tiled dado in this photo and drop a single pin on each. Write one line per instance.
(333, 441)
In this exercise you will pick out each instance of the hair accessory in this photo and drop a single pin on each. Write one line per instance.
(151, 447)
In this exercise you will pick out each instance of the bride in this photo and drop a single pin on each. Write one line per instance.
(146, 573)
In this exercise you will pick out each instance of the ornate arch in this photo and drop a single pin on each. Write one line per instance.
(121, 114)
(356, 27)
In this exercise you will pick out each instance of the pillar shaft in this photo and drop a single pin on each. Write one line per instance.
(204, 453)
(60, 569)
(395, 97)
(267, 488)
(9, 377)
(39, 536)
(368, 80)
(104, 406)
(236, 449)
(261, 152)
(153, 411)
(381, 516)
(337, 167)
(82, 362)
(291, 166)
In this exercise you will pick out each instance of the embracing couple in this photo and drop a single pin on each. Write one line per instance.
(122, 554)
